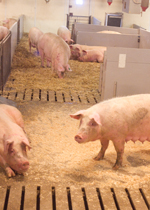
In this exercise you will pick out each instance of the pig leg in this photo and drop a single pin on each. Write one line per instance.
(48, 62)
(119, 147)
(29, 46)
(42, 57)
(104, 146)
(8, 170)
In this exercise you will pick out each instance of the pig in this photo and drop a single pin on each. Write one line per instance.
(13, 141)
(119, 119)
(56, 51)
(3, 32)
(9, 22)
(91, 56)
(77, 50)
(109, 32)
(65, 34)
(33, 37)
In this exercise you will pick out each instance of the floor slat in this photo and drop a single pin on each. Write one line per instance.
(46, 198)
(59, 97)
(67, 97)
(14, 201)
(30, 198)
(92, 198)
(35, 95)
(28, 95)
(122, 199)
(107, 199)
(61, 198)
(77, 199)
(43, 95)
(137, 200)
(12, 95)
(2, 197)
(75, 97)
(51, 96)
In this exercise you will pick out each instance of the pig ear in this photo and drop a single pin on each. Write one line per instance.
(68, 67)
(8, 145)
(26, 142)
(84, 52)
(96, 118)
(77, 115)
(77, 49)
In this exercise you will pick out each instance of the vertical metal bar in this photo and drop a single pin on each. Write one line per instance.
(1, 69)
(35, 6)
(115, 90)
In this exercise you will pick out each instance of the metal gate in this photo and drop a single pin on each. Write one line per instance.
(5, 58)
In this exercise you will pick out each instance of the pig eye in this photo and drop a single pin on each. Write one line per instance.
(80, 122)
(11, 151)
(23, 146)
(92, 123)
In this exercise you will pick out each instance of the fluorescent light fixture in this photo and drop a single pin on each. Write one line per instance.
(79, 2)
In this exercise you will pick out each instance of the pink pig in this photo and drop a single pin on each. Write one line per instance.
(34, 35)
(13, 141)
(56, 51)
(108, 32)
(3, 32)
(65, 34)
(9, 22)
(91, 56)
(119, 119)
(77, 50)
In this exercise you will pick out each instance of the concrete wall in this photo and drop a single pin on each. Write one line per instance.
(49, 16)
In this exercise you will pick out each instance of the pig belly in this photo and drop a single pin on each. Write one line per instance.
(141, 133)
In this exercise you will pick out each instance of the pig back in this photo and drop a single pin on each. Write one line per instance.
(64, 33)
(3, 32)
(125, 116)
(61, 50)
(34, 35)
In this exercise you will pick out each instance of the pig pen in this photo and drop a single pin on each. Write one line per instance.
(62, 173)
(7, 49)
(87, 34)
(125, 70)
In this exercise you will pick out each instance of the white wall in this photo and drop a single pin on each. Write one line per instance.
(46, 16)
(100, 7)
(49, 16)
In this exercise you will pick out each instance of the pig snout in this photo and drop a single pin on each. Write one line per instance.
(81, 137)
(22, 166)
(78, 138)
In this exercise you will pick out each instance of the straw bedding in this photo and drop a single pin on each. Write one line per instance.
(28, 73)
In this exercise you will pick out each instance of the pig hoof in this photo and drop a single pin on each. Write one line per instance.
(115, 167)
(10, 172)
(98, 158)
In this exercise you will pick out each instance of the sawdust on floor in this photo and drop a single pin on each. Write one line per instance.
(57, 158)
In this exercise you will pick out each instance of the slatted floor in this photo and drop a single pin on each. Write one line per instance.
(67, 198)
(53, 96)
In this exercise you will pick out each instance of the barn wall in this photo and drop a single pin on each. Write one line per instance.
(46, 16)
(49, 16)
(100, 7)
